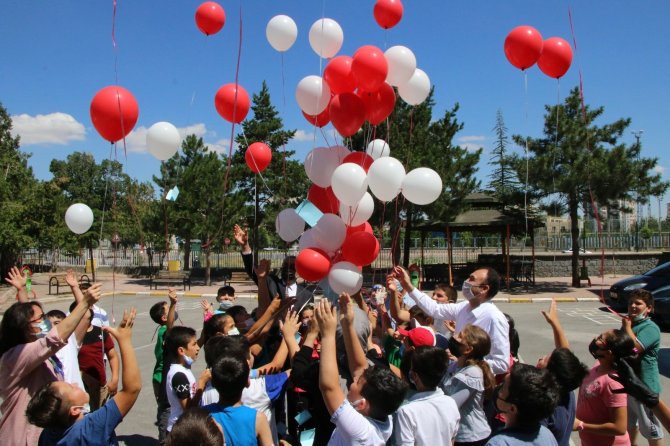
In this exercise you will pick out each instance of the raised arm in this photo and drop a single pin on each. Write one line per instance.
(356, 358)
(242, 240)
(131, 380)
(71, 280)
(397, 312)
(329, 380)
(560, 340)
(428, 305)
(289, 328)
(17, 279)
(172, 294)
(262, 272)
(68, 325)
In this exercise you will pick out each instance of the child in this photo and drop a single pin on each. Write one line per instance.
(647, 337)
(195, 426)
(55, 316)
(60, 408)
(225, 297)
(468, 380)
(363, 417)
(241, 425)
(601, 410)
(429, 417)
(164, 316)
(181, 350)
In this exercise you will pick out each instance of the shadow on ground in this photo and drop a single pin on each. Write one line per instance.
(136, 440)
(543, 287)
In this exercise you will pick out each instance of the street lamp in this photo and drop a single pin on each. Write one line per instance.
(637, 134)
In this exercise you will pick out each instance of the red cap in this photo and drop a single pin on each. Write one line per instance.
(419, 336)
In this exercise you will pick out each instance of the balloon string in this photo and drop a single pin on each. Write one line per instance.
(113, 23)
(525, 192)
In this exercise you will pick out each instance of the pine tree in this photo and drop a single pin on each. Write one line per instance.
(504, 181)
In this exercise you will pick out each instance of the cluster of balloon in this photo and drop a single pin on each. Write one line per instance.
(79, 218)
(524, 47)
(114, 112)
(258, 156)
(210, 18)
(342, 241)
(163, 140)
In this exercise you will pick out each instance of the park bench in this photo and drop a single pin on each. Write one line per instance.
(59, 281)
(171, 278)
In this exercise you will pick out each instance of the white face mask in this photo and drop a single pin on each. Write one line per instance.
(233, 332)
(467, 291)
(357, 403)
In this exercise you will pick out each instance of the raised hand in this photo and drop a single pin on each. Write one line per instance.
(390, 284)
(346, 308)
(240, 235)
(93, 293)
(124, 331)
(402, 275)
(326, 316)
(172, 294)
(206, 306)
(552, 315)
(290, 326)
(16, 278)
(71, 279)
(263, 268)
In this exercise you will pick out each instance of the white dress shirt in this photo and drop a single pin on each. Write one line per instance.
(486, 316)
(428, 418)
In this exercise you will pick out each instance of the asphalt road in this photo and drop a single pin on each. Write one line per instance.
(582, 322)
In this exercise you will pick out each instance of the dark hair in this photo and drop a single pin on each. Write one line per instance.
(450, 291)
(15, 327)
(230, 376)
(417, 313)
(220, 346)
(225, 290)
(235, 311)
(384, 391)
(56, 314)
(195, 426)
(534, 392)
(178, 336)
(214, 325)
(73, 305)
(46, 409)
(480, 342)
(493, 281)
(514, 341)
(430, 364)
(620, 344)
(157, 311)
(568, 370)
(643, 295)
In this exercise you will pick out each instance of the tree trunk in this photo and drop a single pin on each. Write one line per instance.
(573, 204)
(395, 233)
(256, 225)
(407, 238)
(208, 273)
(187, 254)
(90, 256)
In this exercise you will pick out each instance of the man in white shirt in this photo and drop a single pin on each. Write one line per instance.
(478, 290)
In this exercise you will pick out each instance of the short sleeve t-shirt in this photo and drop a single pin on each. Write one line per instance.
(596, 397)
(512, 437)
(97, 428)
(158, 353)
(561, 421)
(352, 428)
(649, 335)
(92, 354)
(180, 384)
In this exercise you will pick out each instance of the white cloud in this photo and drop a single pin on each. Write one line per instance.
(471, 147)
(471, 143)
(660, 170)
(54, 128)
(221, 146)
(303, 135)
(136, 141)
(472, 138)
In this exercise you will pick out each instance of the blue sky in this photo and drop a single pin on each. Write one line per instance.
(57, 55)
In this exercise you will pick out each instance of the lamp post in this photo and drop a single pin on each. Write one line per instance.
(637, 134)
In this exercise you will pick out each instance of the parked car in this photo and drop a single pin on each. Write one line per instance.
(652, 280)
(662, 305)
(581, 251)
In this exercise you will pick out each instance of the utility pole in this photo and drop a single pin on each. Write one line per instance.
(637, 134)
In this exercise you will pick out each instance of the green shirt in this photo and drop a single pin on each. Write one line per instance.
(392, 350)
(649, 336)
(158, 353)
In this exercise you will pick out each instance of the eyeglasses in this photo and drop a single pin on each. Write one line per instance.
(41, 318)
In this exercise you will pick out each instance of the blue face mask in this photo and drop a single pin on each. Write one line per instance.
(188, 361)
(639, 318)
(44, 326)
(225, 305)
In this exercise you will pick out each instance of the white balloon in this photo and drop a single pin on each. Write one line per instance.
(312, 95)
(163, 140)
(320, 164)
(329, 232)
(385, 177)
(360, 213)
(326, 37)
(402, 63)
(422, 186)
(306, 240)
(289, 225)
(349, 183)
(344, 277)
(342, 152)
(79, 218)
(416, 89)
(281, 32)
(378, 148)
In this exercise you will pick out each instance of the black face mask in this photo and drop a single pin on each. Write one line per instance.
(287, 274)
(594, 349)
(455, 347)
(496, 392)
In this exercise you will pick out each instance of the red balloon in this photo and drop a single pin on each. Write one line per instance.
(114, 112)
(312, 264)
(338, 75)
(324, 199)
(556, 57)
(523, 46)
(361, 158)
(379, 104)
(388, 13)
(231, 108)
(258, 156)
(320, 120)
(210, 18)
(364, 227)
(347, 113)
(369, 67)
(360, 248)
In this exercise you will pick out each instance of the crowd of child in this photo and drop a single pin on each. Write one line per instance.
(394, 366)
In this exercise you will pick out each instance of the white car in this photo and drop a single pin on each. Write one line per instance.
(581, 251)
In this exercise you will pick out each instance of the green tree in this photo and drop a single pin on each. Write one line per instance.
(18, 190)
(579, 160)
(503, 179)
(282, 184)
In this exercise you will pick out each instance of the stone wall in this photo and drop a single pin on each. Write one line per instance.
(620, 264)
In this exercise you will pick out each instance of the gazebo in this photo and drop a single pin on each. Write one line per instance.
(484, 213)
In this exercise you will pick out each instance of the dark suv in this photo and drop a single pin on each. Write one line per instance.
(652, 280)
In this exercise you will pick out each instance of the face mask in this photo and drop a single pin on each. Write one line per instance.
(640, 317)
(305, 323)
(356, 403)
(496, 398)
(467, 291)
(188, 361)
(44, 326)
(225, 305)
(233, 332)
(455, 347)
(249, 323)
(85, 409)
(287, 274)
(594, 349)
